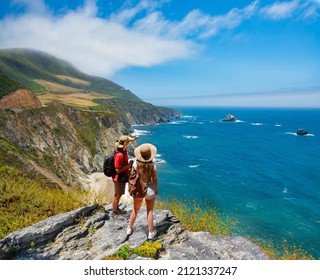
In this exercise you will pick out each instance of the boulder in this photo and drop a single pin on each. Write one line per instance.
(229, 118)
(302, 132)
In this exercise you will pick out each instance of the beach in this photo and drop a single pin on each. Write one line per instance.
(100, 184)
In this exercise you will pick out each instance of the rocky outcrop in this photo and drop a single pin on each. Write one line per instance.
(302, 132)
(89, 233)
(20, 99)
(229, 118)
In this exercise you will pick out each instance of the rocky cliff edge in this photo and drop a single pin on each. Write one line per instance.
(89, 233)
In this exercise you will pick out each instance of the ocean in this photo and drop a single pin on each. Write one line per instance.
(256, 169)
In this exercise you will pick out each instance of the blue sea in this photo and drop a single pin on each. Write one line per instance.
(256, 170)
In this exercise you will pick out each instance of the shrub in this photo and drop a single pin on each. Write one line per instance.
(195, 217)
(25, 200)
(146, 250)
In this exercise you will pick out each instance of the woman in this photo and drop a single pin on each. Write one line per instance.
(146, 169)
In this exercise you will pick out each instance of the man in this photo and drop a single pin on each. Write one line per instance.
(122, 166)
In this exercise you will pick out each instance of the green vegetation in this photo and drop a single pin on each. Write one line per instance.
(285, 251)
(88, 132)
(194, 217)
(7, 85)
(25, 200)
(146, 250)
(30, 67)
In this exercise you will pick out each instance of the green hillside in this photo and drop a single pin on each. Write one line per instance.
(7, 85)
(46, 74)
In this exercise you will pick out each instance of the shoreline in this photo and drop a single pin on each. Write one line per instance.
(103, 185)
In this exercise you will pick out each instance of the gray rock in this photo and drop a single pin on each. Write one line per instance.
(41, 232)
(66, 237)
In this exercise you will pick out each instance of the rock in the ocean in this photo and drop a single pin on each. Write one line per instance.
(302, 132)
(229, 118)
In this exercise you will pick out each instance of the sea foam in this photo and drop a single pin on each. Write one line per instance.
(190, 136)
(138, 132)
(257, 124)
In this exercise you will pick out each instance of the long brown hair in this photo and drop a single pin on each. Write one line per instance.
(145, 169)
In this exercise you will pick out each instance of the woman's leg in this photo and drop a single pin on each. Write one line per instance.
(136, 207)
(150, 204)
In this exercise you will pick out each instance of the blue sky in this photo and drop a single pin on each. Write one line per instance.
(177, 52)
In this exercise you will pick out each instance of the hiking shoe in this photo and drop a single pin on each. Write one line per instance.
(129, 231)
(152, 234)
(116, 216)
(121, 211)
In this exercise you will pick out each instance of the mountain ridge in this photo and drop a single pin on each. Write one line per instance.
(31, 67)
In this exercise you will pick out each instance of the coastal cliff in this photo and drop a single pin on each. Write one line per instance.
(56, 126)
(88, 233)
(66, 142)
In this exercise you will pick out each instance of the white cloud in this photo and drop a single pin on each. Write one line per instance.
(102, 46)
(195, 24)
(284, 10)
(137, 35)
(94, 45)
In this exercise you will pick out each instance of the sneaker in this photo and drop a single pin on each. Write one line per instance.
(152, 234)
(129, 231)
(121, 211)
(116, 216)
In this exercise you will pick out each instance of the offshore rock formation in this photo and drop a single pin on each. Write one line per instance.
(229, 118)
(89, 233)
(302, 132)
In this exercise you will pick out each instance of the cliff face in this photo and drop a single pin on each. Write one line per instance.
(89, 233)
(64, 143)
(67, 143)
(20, 99)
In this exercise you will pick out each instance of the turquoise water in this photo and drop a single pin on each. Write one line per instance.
(257, 169)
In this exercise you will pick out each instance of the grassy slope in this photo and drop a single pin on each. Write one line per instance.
(7, 85)
(25, 66)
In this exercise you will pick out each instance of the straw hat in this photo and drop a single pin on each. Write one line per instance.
(145, 152)
(123, 140)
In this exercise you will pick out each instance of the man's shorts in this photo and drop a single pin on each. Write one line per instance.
(119, 188)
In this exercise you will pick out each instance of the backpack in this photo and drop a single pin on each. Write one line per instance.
(108, 165)
(137, 188)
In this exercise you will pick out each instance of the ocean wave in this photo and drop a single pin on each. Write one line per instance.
(140, 132)
(194, 166)
(188, 117)
(159, 161)
(278, 124)
(257, 124)
(190, 136)
(295, 134)
(285, 190)
(236, 121)
(177, 122)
